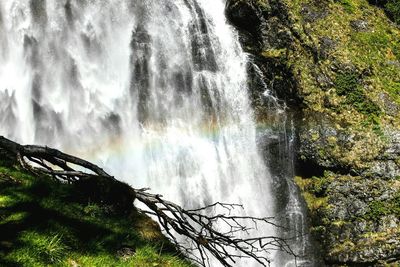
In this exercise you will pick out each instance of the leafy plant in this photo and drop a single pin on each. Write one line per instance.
(347, 85)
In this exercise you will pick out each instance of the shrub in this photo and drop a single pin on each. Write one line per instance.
(347, 85)
(393, 9)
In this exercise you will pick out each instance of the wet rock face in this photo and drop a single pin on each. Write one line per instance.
(349, 123)
(245, 15)
(362, 224)
(264, 34)
(332, 146)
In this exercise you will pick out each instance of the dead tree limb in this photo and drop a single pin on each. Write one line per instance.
(197, 233)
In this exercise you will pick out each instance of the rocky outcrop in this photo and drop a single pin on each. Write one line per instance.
(265, 36)
(335, 64)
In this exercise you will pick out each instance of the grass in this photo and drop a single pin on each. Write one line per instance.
(45, 223)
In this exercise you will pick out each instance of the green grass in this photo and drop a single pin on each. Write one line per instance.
(45, 223)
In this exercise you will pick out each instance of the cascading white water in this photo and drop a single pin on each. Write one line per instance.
(154, 91)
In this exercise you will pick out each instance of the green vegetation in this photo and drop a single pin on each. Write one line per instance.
(347, 85)
(344, 59)
(314, 193)
(378, 209)
(346, 63)
(393, 9)
(348, 5)
(373, 51)
(383, 47)
(45, 223)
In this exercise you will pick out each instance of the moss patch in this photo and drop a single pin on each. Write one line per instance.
(379, 208)
(347, 85)
(346, 64)
(314, 193)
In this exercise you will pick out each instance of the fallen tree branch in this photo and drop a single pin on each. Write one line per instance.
(197, 233)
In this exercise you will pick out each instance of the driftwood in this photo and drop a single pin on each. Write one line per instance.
(196, 233)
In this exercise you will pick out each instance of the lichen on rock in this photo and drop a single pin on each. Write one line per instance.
(336, 63)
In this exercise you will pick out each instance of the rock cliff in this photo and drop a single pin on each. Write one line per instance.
(336, 64)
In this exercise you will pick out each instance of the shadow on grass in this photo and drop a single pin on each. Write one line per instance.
(47, 208)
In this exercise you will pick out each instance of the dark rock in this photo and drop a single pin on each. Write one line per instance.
(359, 25)
(389, 105)
(350, 206)
(315, 133)
(264, 28)
(314, 11)
(387, 166)
(275, 34)
(384, 169)
(244, 14)
(326, 45)
(126, 252)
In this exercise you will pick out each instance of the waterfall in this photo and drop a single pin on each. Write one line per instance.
(154, 91)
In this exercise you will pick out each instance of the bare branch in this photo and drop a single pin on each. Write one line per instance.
(195, 232)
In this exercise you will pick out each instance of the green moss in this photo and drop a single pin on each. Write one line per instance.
(263, 4)
(350, 75)
(355, 81)
(373, 54)
(381, 45)
(44, 223)
(378, 209)
(314, 192)
(315, 203)
(274, 53)
(396, 204)
(347, 85)
(348, 5)
(346, 245)
(346, 82)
